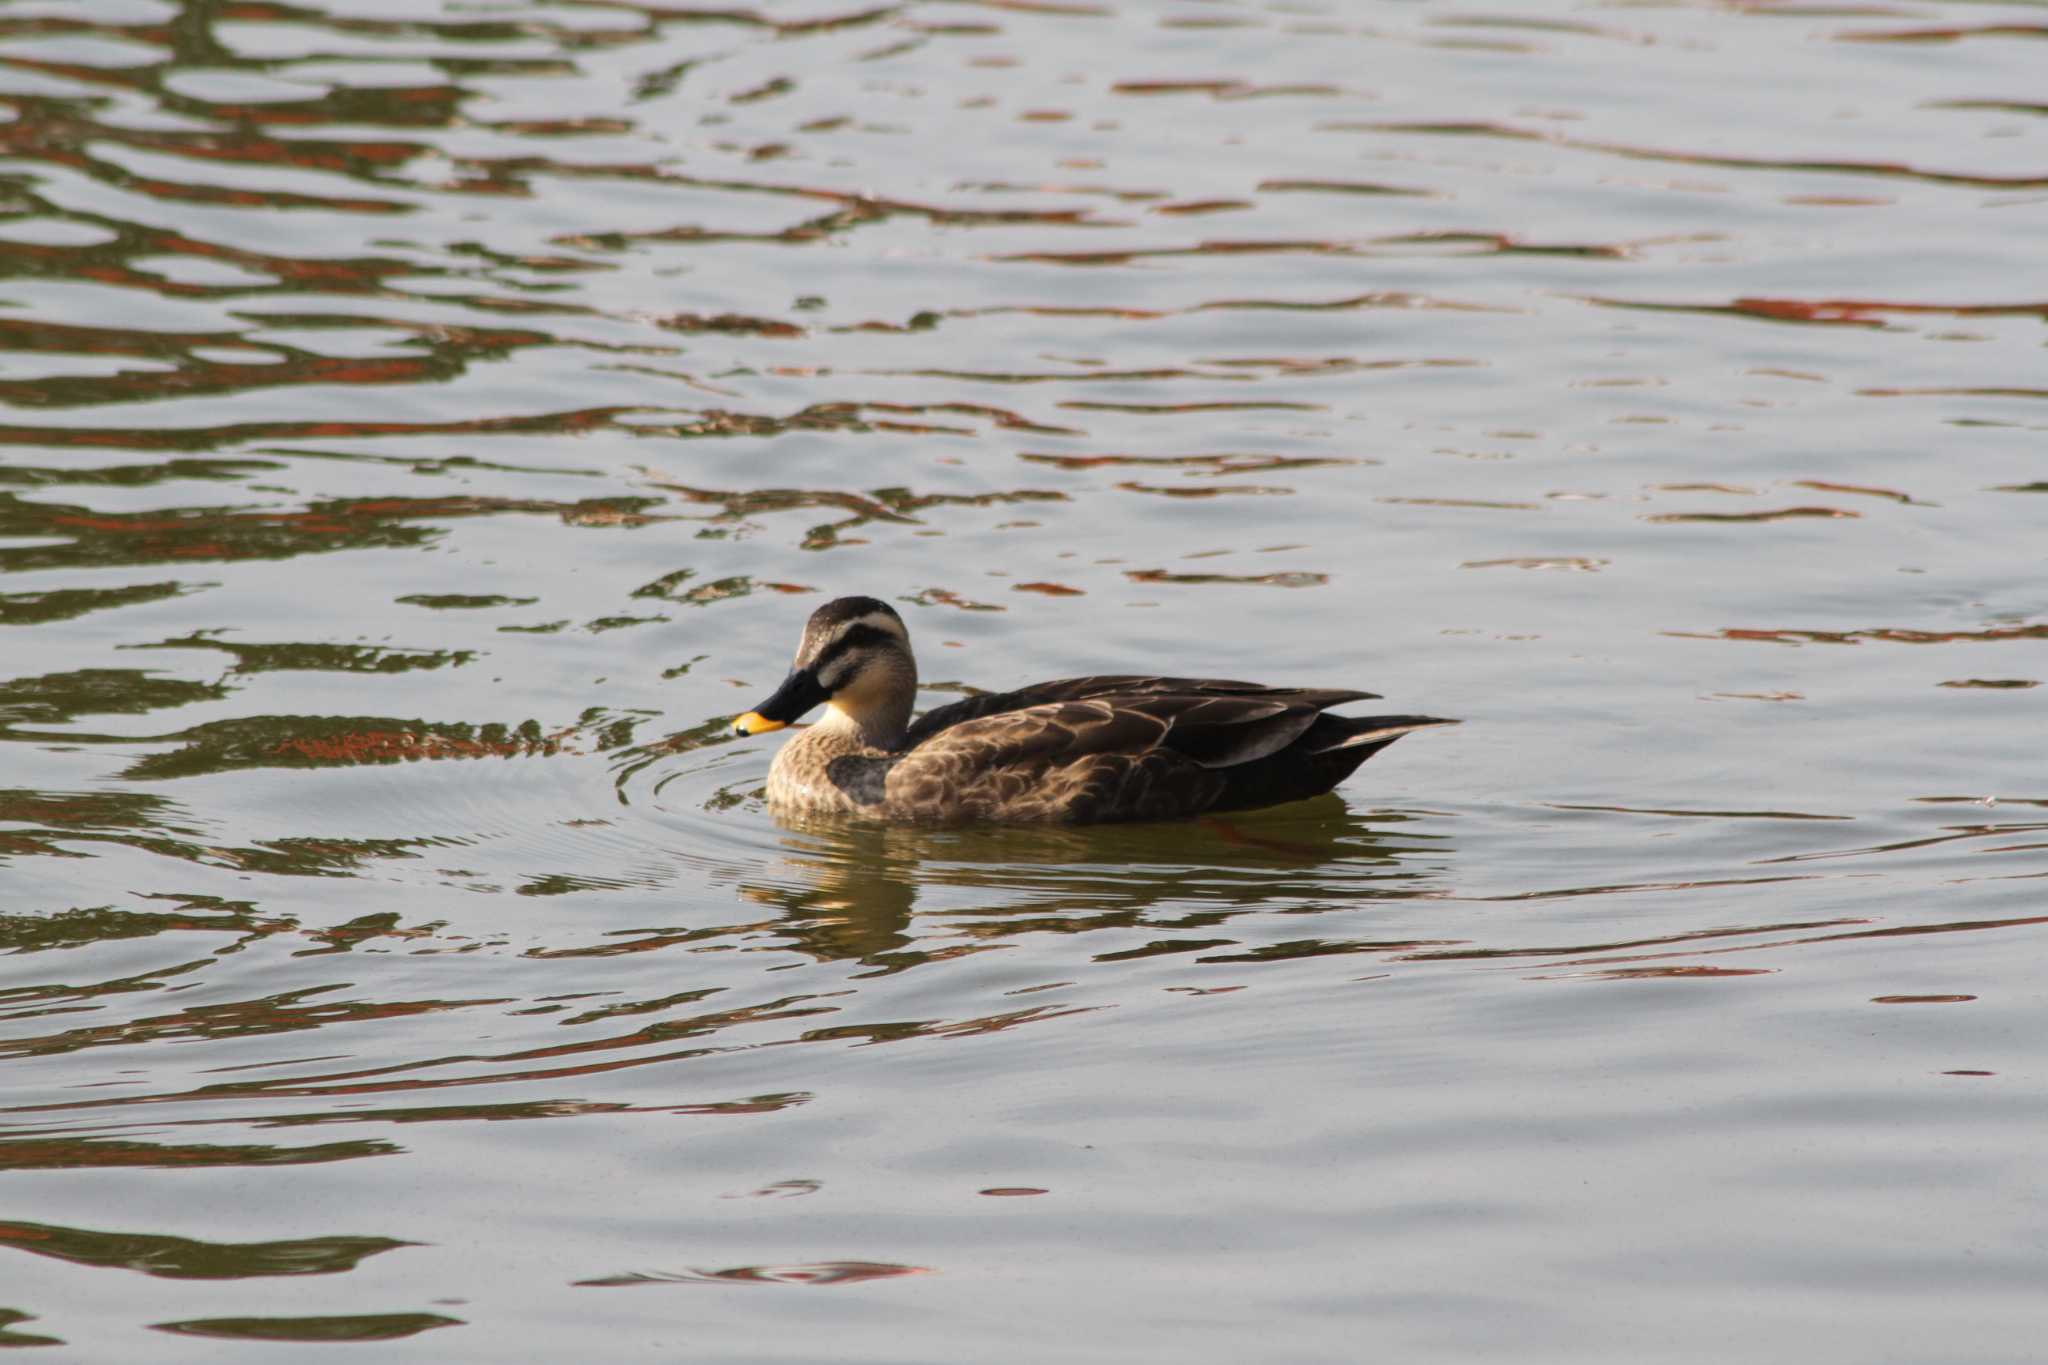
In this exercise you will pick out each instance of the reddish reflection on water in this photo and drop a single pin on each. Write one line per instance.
(820, 1273)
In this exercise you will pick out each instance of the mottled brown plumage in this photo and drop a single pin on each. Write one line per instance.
(1078, 750)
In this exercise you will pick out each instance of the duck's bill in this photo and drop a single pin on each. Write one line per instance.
(798, 694)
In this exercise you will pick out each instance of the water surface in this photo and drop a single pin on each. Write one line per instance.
(428, 423)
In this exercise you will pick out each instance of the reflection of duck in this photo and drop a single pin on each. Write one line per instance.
(895, 896)
(850, 895)
(1074, 751)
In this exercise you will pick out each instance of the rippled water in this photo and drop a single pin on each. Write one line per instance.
(428, 422)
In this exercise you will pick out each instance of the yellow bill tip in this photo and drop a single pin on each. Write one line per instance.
(754, 723)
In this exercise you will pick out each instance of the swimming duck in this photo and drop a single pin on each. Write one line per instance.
(1075, 751)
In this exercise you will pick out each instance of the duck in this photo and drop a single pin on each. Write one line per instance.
(1099, 749)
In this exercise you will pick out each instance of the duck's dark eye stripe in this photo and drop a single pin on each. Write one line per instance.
(860, 637)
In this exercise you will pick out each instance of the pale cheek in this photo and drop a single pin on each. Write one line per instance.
(857, 699)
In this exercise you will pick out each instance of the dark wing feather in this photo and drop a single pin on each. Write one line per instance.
(1123, 689)
(1221, 732)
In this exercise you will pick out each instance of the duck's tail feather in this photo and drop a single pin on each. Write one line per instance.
(1328, 753)
(1333, 734)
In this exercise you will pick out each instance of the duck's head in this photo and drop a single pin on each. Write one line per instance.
(855, 659)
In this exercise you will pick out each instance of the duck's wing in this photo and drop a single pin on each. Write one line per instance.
(1055, 761)
(1111, 758)
(1130, 691)
(1132, 756)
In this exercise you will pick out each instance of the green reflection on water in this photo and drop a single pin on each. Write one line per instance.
(68, 1154)
(10, 1337)
(352, 1327)
(62, 604)
(183, 1258)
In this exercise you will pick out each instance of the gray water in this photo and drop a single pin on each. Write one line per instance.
(428, 424)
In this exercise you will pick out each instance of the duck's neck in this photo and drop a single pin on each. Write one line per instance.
(878, 728)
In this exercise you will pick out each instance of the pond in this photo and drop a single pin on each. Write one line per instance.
(428, 423)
